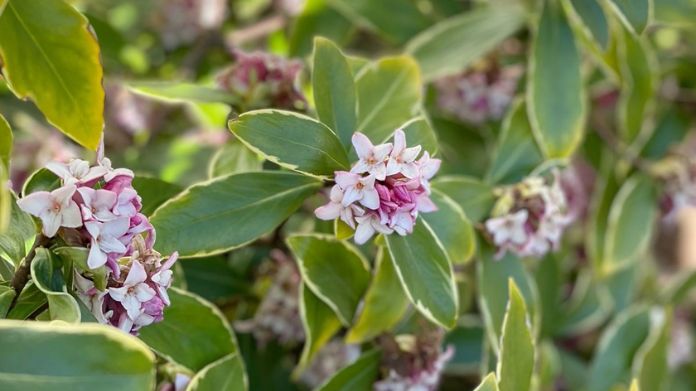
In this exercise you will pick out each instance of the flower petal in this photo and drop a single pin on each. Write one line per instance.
(364, 232)
(35, 203)
(71, 216)
(363, 145)
(96, 257)
(136, 275)
(329, 211)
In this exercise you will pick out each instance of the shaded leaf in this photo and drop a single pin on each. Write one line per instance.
(320, 324)
(489, 383)
(48, 277)
(419, 131)
(651, 364)
(635, 14)
(233, 158)
(358, 376)
(178, 91)
(154, 192)
(226, 374)
(30, 300)
(476, 198)
(452, 228)
(14, 241)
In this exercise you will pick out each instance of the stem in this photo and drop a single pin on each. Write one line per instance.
(21, 276)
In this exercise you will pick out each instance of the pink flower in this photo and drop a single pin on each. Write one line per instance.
(134, 291)
(97, 204)
(357, 188)
(105, 240)
(402, 159)
(76, 172)
(55, 209)
(368, 225)
(335, 209)
(371, 157)
(163, 277)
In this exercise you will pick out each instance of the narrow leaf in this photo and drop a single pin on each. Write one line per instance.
(635, 14)
(489, 383)
(182, 92)
(516, 363)
(320, 324)
(358, 376)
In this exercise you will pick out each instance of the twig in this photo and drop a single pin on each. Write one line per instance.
(21, 276)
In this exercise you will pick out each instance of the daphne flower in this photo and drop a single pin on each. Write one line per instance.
(97, 204)
(128, 203)
(105, 240)
(357, 188)
(55, 209)
(372, 157)
(134, 291)
(111, 173)
(402, 159)
(335, 209)
(427, 168)
(163, 277)
(77, 171)
(368, 225)
(509, 228)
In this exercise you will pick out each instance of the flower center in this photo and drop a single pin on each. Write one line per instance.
(359, 186)
(371, 160)
(56, 207)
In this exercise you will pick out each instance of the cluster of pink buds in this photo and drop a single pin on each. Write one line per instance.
(529, 218)
(384, 191)
(263, 80)
(479, 95)
(96, 207)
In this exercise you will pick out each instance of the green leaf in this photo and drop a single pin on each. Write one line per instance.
(5, 142)
(58, 356)
(40, 180)
(29, 301)
(7, 294)
(317, 19)
(176, 91)
(389, 94)
(205, 219)
(48, 277)
(292, 140)
(154, 192)
(592, 16)
(233, 158)
(77, 256)
(634, 14)
(194, 333)
(378, 16)
(385, 302)
(334, 270)
(419, 131)
(476, 198)
(226, 374)
(5, 153)
(630, 225)
(651, 362)
(334, 90)
(617, 345)
(13, 242)
(51, 56)
(426, 274)
(640, 81)
(589, 306)
(555, 91)
(516, 154)
(342, 231)
(493, 275)
(358, 376)
(489, 383)
(452, 228)
(516, 363)
(451, 46)
(320, 324)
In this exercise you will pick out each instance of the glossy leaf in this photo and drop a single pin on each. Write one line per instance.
(44, 357)
(48, 277)
(389, 94)
(419, 131)
(154, 192)
(233, 158)
(593, 19)
(630, 223)
(426, 274)
(182, 92)
(51, 56)
(555, 90)
(77, 258)
(617, 345)
(450, 46)
(384, 305)
(7, 294)
(194, 333)
(476, 198)
(516, 362)
(320, 324)
(40, 180)
(489, 383)
(30, 300)
(635, 14)
(13, 242)
(333, 270)
(358, 376)
(452, 228)
(334, 90)
(293, 141)
(205, 218)
(226, 374)
(516, 154)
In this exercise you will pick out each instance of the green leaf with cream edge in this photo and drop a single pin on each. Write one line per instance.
(205, 219)
(291, 140)
(51, 56)
(426, 273)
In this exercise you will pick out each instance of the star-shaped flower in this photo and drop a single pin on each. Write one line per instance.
(134, 291)
(368, 225)
(402, 159)
(55, 209)
(357, 188)
(97, 204)
(105, 240)
(372, 157)
(509, 229)
(77, 171)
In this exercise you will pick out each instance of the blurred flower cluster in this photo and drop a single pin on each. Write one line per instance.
(97, 207)
(262, 80)
(384, 191)
(529, 218)
(181, 22)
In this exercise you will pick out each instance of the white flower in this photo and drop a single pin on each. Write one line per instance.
(163, 278)
(357, 188)
(77, 171)
(105, 237)
(367, 226)
(334, 208)
(134, 291)
(371, 156)
(509, 228)
(97, 204)
(55, 209)
(402, 159)
(111, 173)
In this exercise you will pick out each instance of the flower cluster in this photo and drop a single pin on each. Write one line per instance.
(97, 207)
(263, 80)
(680, 188)
(138, 296)
(413, 362)
(529, 218)
(479, 95)
(385, 189)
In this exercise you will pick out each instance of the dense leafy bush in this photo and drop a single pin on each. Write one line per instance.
(347, 195)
